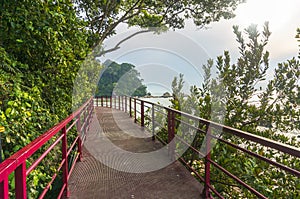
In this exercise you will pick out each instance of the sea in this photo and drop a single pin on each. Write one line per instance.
(165, 101)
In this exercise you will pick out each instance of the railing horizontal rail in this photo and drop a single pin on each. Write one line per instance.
(18, 160)
(139, 106)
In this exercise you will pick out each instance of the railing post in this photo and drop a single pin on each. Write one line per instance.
(171, 133)
(115, 102)
(65, 159)
(79, 142)
(121, 103)
(153, 123)
(101, 101)
(111, 101)
(96, 101)
(134, 110)
(4, 188)
(125, 104)
(119, 108)
(20, 181)
(142, 114)
(130, 113)
(207, 162)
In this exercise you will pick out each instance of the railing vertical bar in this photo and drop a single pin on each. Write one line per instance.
(65, 159)
(111, 101)
(20, 181)
(142, 114)
(4, 188)
(135, 110)
(207, 162)
(101, 101)
(153, 123)
(125, 104)
(119, 98)
(130, 113)
(171, 134)
(79, 149)
(97, 101)
(122, 103)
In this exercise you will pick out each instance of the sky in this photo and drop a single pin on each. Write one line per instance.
(159, 58)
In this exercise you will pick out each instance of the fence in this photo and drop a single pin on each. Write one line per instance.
(17, 162)
(179, 125)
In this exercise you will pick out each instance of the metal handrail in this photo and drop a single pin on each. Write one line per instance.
(17, 162)
(209, 125)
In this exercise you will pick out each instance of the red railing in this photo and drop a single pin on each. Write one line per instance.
(17, 162)
(137, 108)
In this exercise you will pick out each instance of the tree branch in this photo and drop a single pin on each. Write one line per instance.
(117, 46)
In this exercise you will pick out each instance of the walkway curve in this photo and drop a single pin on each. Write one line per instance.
(93, 179)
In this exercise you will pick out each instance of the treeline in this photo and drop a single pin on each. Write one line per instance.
(120, 79)
(42, 47)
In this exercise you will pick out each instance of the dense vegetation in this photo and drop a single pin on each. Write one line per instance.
(228, 99)
(120, 79)
(43, 45)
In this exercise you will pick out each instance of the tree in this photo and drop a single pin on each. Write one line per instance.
(229, 95)
(120, 79)
(49, 39)
(42, 46)
(102, 17)
(166, 94)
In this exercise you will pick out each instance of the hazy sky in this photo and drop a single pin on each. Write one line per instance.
(161, 57)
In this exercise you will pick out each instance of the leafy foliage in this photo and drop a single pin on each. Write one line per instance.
(120, 79)
(42, 46)
(103, 16)
(228, 98)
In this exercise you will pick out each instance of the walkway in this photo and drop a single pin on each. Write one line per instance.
(121, 161)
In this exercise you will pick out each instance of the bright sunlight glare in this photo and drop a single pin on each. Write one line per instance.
(277, 12)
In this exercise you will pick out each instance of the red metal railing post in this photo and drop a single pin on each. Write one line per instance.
(110, 101)
(125, 104)
(123, 108)
(207, 162)
(106, 101)
(20, 180)
(121, 103)
(79, 142)
(130, 113)
(171, 133)
(153, 122)
(102, 101)
(4, 188)
(65, 159)
(142, 114)
(134, 110)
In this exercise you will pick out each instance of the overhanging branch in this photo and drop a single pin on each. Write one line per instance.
(117, 46)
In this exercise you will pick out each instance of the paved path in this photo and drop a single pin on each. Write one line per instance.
(121, 161)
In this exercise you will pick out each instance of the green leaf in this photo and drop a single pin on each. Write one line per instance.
(8, 111)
